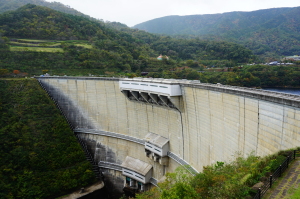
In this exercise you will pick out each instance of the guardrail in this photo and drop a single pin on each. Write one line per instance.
(183, 163)
(153, 181)
(281, 98)
(139, 141)
(108, 165)
(277, 174)
(118, 167)
(271, 96)
(110, 134)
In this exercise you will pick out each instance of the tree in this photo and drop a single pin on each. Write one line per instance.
(3, 72)
(45, 71)
(16, 72)
(193, 75)
(176, 186)
(229, 64)
(4, 43)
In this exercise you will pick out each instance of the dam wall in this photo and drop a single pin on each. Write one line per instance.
(202, 123)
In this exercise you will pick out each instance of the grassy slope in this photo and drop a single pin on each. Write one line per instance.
(38, 49)
(39, 154)
(45, 45)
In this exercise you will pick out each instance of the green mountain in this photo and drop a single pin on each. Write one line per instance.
(31, 21)
(106, 47)
(272, 30)
(37, 22)
(40, 156)
(189, 48)
(9, 5)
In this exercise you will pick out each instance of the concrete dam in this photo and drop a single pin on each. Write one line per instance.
(136, 130)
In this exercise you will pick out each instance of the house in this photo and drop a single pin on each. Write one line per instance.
(293, 58)
(160, 57)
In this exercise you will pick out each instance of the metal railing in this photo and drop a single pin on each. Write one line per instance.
(110, 134)
(118, 167)
(183, 163)
(276, 174)
(153, 181)
(109, 165)
(281, 98)
(271, 96)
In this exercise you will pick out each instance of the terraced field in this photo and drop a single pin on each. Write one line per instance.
(39, 49)
(44, 45)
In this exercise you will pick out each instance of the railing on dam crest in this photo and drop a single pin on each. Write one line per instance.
(276, 175)
(281, 98)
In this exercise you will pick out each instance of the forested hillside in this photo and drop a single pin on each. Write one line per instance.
(110, 49)
(270, 33)
(185, 49)
(40, 156)
(264, 31)
(9, 5)
(114, 49)
(39, 22)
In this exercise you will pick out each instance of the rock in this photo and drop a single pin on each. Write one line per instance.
(263, 179)
(257, 185)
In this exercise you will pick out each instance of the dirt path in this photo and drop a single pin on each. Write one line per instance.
(289, 182)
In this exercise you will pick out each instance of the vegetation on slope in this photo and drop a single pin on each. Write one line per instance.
(45, 45)
(15, 4)
(257, 76)
(267, 32)
(189, 48)
(110, 50)
(215, 24)
(40, 156)
(222, 180)
(124, 51)
(31, 21)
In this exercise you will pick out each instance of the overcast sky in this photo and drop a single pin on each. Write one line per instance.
(132, 12)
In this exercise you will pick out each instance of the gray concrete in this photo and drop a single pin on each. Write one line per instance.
(212, 123)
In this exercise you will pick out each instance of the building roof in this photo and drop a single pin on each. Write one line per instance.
(136, 165)
(156, 139)
(160, 57)
(295, 57)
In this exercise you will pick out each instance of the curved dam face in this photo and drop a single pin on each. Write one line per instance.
(138, 129)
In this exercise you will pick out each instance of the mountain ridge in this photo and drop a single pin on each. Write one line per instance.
(215, 17)
(252, 29)
(15, 4)
(33, 21)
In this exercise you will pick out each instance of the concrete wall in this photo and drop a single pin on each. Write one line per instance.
(217, 125)
(215, 122)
